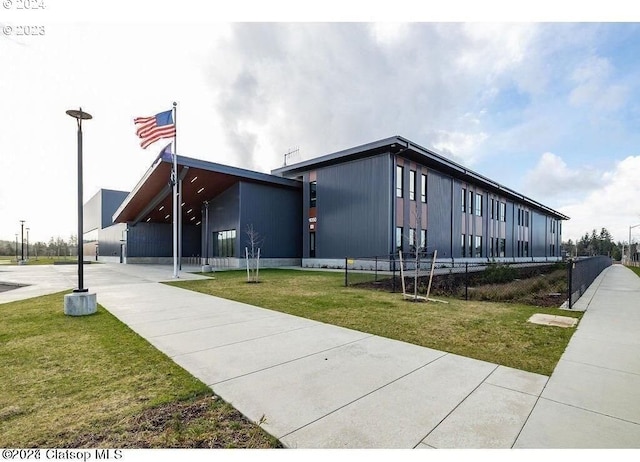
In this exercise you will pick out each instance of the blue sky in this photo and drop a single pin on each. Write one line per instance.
(550, 109)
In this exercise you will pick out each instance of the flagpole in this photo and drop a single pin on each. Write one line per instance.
(175, 194)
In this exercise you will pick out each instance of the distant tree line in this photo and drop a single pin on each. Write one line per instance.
(56, 247)
(597, 243)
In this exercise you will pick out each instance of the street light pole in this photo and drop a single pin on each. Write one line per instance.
(630, 228)
(27, 243)
(80, 302)
(16, 248)
(80, 115)
(22, 239)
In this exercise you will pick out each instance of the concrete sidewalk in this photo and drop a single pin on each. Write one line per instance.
(322, 386)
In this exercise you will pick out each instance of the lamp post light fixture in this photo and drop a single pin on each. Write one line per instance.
(80, 302)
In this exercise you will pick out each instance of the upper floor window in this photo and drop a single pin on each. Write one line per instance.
(412, 185)
(423, 188)
(464, 200)
(312, 193)
(399, 181)
(478, 205)
(502, 209)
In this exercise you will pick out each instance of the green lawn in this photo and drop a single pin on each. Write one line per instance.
(495, 332)
(92, 382)
(635, 269)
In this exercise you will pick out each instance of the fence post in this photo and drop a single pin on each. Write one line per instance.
(569, 280)
(346, 277)
(466, 280)
(376, 280)
(392, 261)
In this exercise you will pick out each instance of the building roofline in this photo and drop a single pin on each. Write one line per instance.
(402, 146)
(189, 162)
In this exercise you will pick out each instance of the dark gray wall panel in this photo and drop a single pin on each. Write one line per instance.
(109, 240)
(111, 200)
(439, 214)
(538, 233)
(150, 240)
(275, 214)
(353, 206)
(224, 214)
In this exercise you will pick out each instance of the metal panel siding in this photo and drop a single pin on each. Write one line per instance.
(538, 232)
(224, 214)
(353, 204)
(439, 233)
(150, 240)
(511, 238)
(111, 200)
(91, 213)
(275, 214)
(109, 240)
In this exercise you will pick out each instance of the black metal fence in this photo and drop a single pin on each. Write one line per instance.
(531, 281)
(582, 272)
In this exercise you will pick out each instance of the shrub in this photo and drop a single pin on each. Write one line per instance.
(497, 274)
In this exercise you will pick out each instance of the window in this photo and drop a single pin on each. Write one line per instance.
(224, 243)
(399, 181)
(526, 249)
(312, 193)
(398, 238)
(464, 200)
(469, 201)
(493, 211)
(463, 247)
(478, 205)
(423, 188)
(412, 238)
(478, 249)
(312, 245)
(423, 239)
(501, 247)
(412, 185)
(469, 245)
(492, 246)
(502, 215)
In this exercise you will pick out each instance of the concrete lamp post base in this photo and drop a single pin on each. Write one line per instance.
(80, 304)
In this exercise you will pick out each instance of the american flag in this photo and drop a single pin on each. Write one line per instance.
(151, 129)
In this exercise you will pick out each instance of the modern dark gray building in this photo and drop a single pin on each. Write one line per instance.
(392, 195)
(368, 201)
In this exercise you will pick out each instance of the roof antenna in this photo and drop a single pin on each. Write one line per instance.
(291, 153)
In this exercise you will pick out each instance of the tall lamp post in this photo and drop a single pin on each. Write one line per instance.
(22, 240)
(16, 248)
(630, 228)
(80, 302)
(27, 244)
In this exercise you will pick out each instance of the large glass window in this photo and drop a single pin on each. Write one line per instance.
(224, 243)
(312, 193)
(501, 247)
(464, 200)
(469, 201)
(478, 247)
(423, 188)
(423, 239)
(502, 216)
(478, 205)
(312, 245)
(398, 238)
(463, 246)
(412, 185)
(399, 181)
(412, 238)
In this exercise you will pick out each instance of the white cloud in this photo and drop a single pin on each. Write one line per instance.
(614, 205)
(553, 179)
(594, 86)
